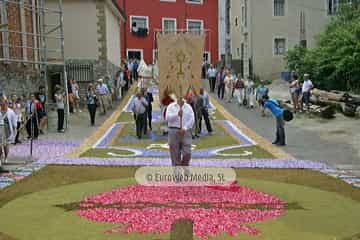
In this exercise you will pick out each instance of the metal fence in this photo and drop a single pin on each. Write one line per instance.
(83, 74)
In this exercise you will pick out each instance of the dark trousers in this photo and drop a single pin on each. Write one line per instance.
(149, 116)
(92, 112)
(140, 124)
(145, 124)
(212, 81)
(205, 115)
(280, 130)
(17, 132)
(221, 90)
(61, 116)
(32, 127)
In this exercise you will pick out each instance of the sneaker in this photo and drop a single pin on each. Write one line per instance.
(80, 111)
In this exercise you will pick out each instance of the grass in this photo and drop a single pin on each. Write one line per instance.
(326, 215)
(57, 175)
(126, 117)
(204, 142)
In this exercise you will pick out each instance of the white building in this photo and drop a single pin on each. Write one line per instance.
(262, 31)
(92, 38)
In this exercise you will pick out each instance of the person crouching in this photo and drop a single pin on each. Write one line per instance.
(278, 112)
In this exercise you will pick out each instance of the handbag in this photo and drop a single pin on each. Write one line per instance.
(288, 115)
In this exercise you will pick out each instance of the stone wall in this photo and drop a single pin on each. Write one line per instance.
(19, 79)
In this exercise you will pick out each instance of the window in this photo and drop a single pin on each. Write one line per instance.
(134, 54)
(238, 52)
(195, 26)
(5, 34)
(139, 25)
(206, 57)
(236, 21)
(194, 1)
(169, 25)
(333, 5)
(245, 13)
(242, 51)
(279, 8)
(279, 46)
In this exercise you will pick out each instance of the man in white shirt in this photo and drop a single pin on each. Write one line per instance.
(306, 91)
(139, 106)
(212, 77)
(180, 117)
(8, 122)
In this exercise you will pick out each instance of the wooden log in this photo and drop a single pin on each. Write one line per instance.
(332, 96)
(182, 229)
(324, 102)
(349, 110)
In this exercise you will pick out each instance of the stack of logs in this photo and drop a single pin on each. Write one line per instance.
(324, 103)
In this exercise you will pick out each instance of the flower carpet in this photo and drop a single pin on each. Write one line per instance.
(88, 190)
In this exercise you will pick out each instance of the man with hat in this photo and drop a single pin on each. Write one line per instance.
(102, 92)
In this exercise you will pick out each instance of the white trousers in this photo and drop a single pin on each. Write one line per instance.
(240, 93)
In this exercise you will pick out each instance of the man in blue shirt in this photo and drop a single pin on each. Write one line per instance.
(278, 112)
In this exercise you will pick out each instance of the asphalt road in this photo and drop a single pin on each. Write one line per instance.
(302, 144)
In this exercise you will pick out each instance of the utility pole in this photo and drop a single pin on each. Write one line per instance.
(303, 41)
(228, 35)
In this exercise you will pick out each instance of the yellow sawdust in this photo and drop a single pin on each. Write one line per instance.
(118, 133)
(90, 141)
(262, 142)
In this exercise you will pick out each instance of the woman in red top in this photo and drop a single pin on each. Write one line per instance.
(165, 101)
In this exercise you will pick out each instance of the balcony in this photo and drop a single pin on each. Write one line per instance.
(140, 32)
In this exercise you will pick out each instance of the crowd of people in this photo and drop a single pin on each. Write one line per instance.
(26, 117)
(246, 92)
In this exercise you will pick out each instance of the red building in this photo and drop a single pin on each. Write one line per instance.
(144, 17)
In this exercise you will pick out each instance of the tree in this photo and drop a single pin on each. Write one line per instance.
(334, 62)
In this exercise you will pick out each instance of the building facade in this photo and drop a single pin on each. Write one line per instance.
(262, 32)
(92, 40)
(146, 17)
(18, 43)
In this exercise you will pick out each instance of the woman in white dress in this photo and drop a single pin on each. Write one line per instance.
(8, 122)
(228, 86)
(250, 92)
